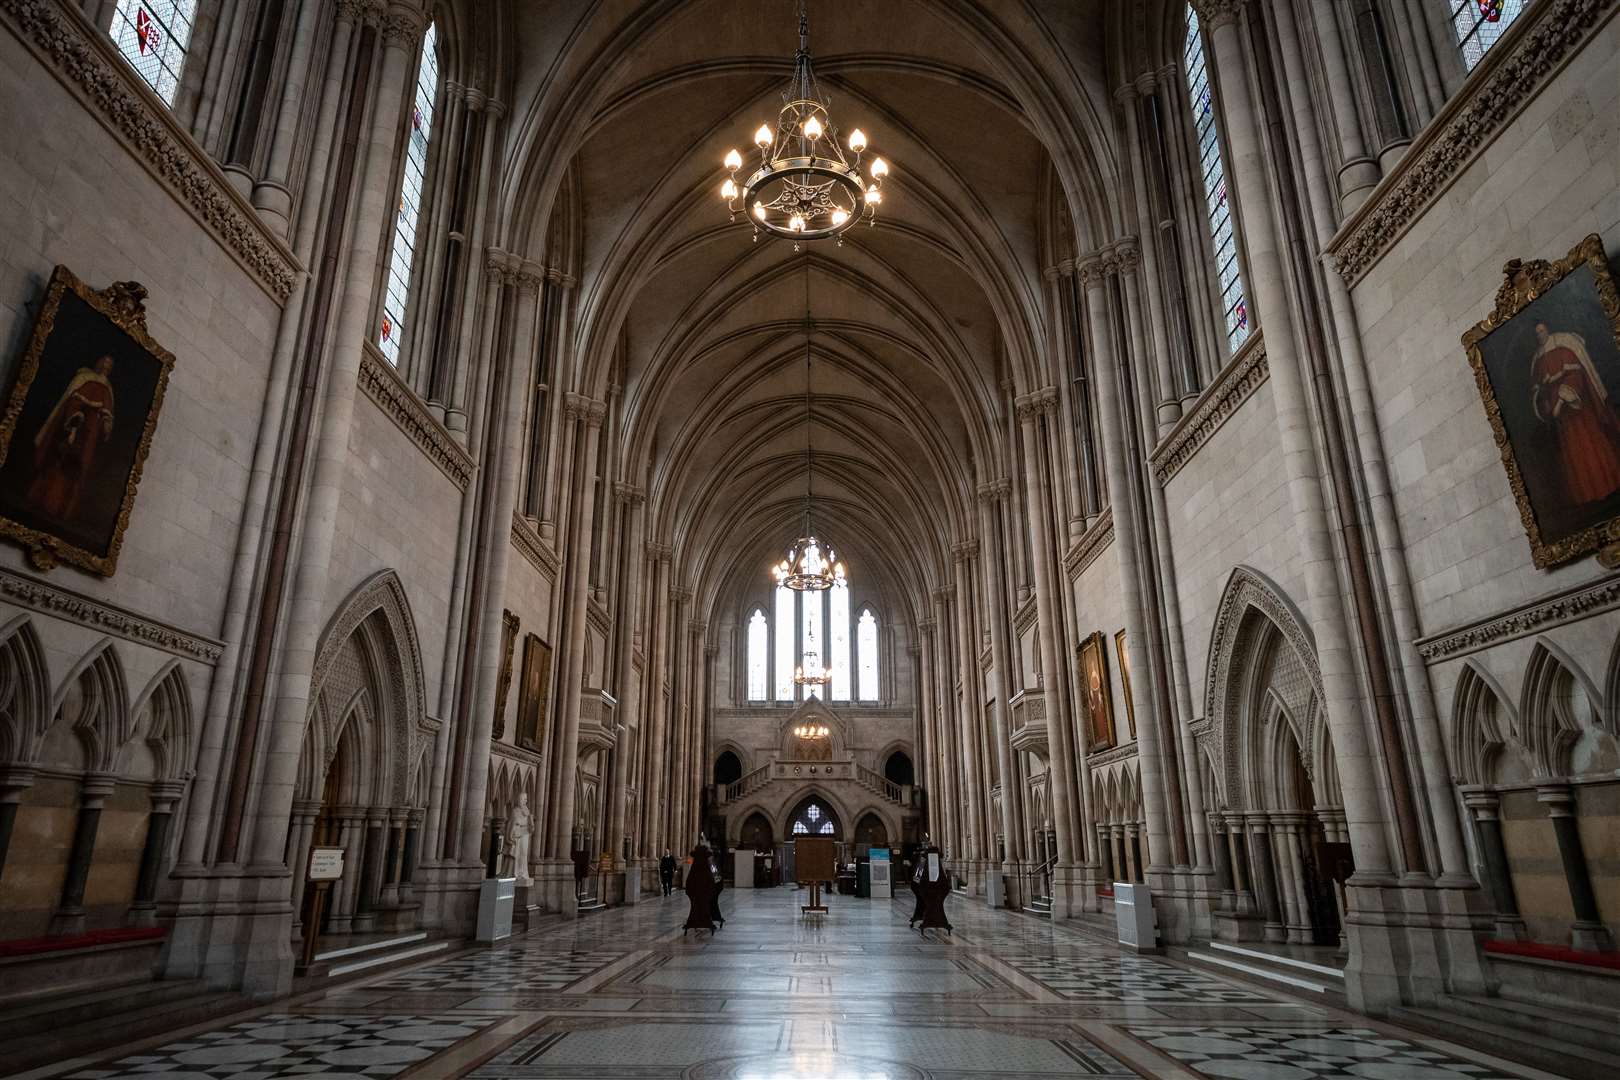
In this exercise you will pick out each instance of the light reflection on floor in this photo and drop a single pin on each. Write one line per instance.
(855, 996)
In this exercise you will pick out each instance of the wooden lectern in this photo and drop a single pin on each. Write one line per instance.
(815, 859)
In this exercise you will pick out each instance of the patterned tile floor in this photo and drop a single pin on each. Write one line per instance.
(857, 995)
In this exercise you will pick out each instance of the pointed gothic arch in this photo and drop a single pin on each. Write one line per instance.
(25, 694)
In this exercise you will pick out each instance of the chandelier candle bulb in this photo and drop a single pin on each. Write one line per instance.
(763, 137)
(733, 160)
(880, 168)
(728, 190)
(857, 140)
(812, 128)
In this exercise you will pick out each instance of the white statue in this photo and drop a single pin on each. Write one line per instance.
(522, 830)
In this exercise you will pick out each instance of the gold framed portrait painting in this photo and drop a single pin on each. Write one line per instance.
(1099, 701)
(533, 693)
(78, 424)
(1547, 365)
(1125, 682)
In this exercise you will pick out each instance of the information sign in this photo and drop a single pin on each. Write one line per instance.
(325, 863)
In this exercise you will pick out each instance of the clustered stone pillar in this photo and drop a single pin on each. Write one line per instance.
(1587, 931)
(70, 914)
(1485, 808)
(164, 795)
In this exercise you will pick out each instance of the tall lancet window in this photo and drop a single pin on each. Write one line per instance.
(759, 659)
(153, 35)
(838, 642)
(785, 638)
(866, 646)
(1479, 24)
(398, 290)
(1227, 271)
(812, 636)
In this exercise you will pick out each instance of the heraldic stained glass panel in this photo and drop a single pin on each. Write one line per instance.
(1479, 24)
(152, 35)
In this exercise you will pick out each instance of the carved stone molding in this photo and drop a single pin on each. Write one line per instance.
(965, 551)
(83, 59)
(1028, 407)
(1213, 13)
(1127, 254)
(995, 490)
(1247, 372)
(1112, 755)
(660, 551)
(403, 25)
(1093, 270)
(400, 404)
(629, 493)
(533, 548)
(1568, 606)
(1092, 543)
(1509, 76)
(66, 604)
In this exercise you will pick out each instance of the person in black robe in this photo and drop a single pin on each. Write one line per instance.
(918, 876)
(700, 892)
(714, 900)
(936, 886)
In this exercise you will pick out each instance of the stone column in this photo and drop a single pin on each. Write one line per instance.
(653, 837)
(371, 866)
(1168, 408)
(304, 813)
(1265, 871)
(15, 780)
(164, 796)
(1059, 734)
(1155, 761)
(1587, 931)
(634, 500)
(271, 196)
(950, 837)
(1359, 768)
(70, 914)
(1484, 806)
(1223, 863)
(343, 893)
(962, 555)
(991, 567)
(568, 689)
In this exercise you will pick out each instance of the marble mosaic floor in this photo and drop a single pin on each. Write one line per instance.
(857, 995)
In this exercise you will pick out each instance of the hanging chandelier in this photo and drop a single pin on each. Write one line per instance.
(805, 187)
(810, 672)
(812, 731)
(809, 567)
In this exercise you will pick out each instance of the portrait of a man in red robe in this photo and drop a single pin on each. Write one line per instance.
(1547, 364)
(66, 446)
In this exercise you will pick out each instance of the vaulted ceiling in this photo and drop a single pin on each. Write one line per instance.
(994, 116)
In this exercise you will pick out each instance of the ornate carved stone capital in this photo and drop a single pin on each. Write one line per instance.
(351, 11)
(1092, 270)
(403, 26)
(1028, 407)
(944, 593)
(660, 551)
(1217, 13)
(629, 494)
(926, 625)
(529, 275)
(1047, 399)
(499, 265)
(993, 490)
(575, 406)
(680, 593)
(964, 550)
(1127, 254)
(595, 413)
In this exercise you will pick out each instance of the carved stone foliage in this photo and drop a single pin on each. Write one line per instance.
(1566, 606)
(1091, 544)
(83, 58)
(1218, 404)
(401, 405)
(533, 548)
(67, 604)
(379, 611)
(1548, 33)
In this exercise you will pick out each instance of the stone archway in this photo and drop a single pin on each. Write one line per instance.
(365, 743)
(1277, 805)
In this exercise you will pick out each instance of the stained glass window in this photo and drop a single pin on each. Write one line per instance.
(866, 644)
(409, 212)
(153, 35)
(1479, 24)
(785, 637)
(1227, 271)
(838, 641)
(759, 661)
(826, 828)
(800, 829)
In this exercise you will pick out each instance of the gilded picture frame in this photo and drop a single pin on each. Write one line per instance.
(1125, 682)
(1546, 362)
(503, 684)
(78, 424)
(535, 692)
(1094, 685)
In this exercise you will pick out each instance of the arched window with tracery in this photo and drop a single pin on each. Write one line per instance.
(153, 36)
(759, 658)
(866, 647)
(813, 820)
(786, 635)
(396, 292)
(1228, 272)
(838, 641)
(1480, 24)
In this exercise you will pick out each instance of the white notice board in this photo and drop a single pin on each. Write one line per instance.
(325, 863)
(882, 886)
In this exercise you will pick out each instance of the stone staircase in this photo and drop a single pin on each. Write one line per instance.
(1040, 906)
(1579, 1040)
(52, 1028)
(589, 903)
(1303, 969)
(363, 952)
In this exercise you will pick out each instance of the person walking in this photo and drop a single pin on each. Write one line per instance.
(666, 871)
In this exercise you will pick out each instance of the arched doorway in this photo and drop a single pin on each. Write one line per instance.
(871, 832)
(727, 768)
(898, 769)
(756, 834)
(814, 817)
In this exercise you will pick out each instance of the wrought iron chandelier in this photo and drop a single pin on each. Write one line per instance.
(805, 187)
(810, 672)
(812, 731)
(809, 567)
